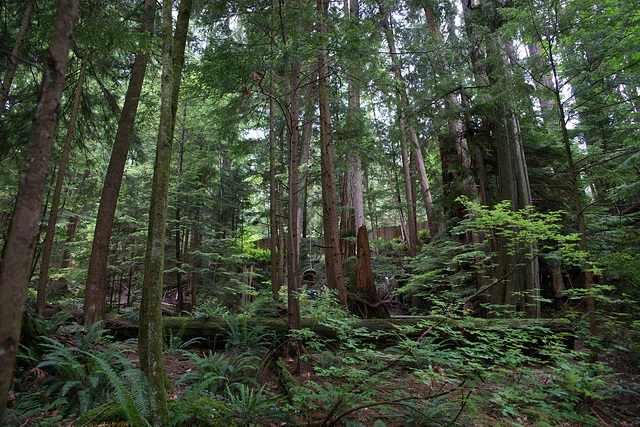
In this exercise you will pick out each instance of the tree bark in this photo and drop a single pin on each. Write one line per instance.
(512, 169)
(335, 277)
(522, 290)
(57, 193)
(402, 105)
(150, 341)
(179, 260)
(293, 248)
(94, 298)
(365, 287)
(19, 248)
(16, 53)
(273, 197)
(305, 149)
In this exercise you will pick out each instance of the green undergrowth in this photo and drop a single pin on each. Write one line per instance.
(464, 372)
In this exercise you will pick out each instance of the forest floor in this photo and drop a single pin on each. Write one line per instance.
(616, 410)
(500, 397)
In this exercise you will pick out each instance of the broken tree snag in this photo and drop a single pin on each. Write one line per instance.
(365, 288)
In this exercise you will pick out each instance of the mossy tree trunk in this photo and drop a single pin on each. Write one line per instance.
(151, 337)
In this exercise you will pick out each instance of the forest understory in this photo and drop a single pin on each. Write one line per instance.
(464, 372)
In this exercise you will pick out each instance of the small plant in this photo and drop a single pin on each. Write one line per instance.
(242, 337)
(221, 371)
(175, 346)
(210, 309)
(248, 406)
(76, 373)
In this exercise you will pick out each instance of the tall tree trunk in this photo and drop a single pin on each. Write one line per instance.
(522, 290)
(180, 302)
(273, 197)
(94, 298)
(150, 331)
(305, 149)
(364, 286)
(512, 168)
(402, 105)
(21, 241)
(335, 276)
(57, 193)
(16, 53)
(293, 249)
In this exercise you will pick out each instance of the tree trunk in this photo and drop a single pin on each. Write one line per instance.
(94, 298)
(150, 341)
(57, 193)
(305, 149)
(365, 287)
(512, 169)
(19, 248)
(335, 277)
(402, 105)
(16, 53)
(412, 237)
(293, 248)
(180, 302)
(522, 290)
(273, 197)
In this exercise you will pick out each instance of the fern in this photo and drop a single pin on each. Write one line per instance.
(134, 405)
(185, 406)
(242, 337)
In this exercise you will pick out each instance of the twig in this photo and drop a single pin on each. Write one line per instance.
(355, 297)
(88, 422)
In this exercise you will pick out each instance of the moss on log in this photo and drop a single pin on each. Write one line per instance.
(382, 332)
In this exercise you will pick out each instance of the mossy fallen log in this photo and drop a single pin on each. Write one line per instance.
(382, 332)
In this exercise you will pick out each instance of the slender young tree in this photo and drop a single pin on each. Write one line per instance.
(16, 53)
(57, 192)
(402, 105)
(293, 248)
(95, 292)
(273, 197)
(19, 248)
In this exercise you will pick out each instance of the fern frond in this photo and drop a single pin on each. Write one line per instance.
(122, 395)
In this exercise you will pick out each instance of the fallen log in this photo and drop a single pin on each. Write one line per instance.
(382, 332)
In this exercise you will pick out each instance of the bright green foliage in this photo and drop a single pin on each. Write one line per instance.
(446, 269)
